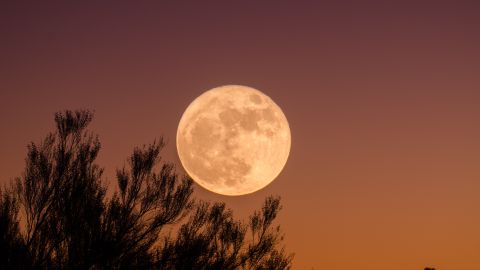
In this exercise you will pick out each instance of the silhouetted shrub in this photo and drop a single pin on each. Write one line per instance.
(70, 223)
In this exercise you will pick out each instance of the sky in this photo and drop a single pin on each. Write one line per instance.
(382, 99)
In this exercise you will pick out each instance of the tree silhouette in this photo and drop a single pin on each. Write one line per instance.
(58, 216)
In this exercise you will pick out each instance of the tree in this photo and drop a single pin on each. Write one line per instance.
(70, 223)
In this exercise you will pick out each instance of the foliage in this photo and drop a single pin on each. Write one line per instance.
(212, 239)
(68, 222)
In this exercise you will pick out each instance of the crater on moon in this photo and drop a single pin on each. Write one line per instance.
(233, 140)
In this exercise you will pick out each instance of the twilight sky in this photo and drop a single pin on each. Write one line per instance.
(383, 101)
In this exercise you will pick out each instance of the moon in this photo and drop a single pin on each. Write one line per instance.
(233, 140)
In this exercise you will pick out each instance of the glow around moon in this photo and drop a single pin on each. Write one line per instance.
(233, 140)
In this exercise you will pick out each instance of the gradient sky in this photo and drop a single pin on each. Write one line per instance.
(383, 100)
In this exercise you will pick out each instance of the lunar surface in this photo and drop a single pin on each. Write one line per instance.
(233, 140)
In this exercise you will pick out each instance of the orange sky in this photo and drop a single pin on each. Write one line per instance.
(383, 102)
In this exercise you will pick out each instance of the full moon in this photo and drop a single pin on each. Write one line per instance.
(233, 140)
